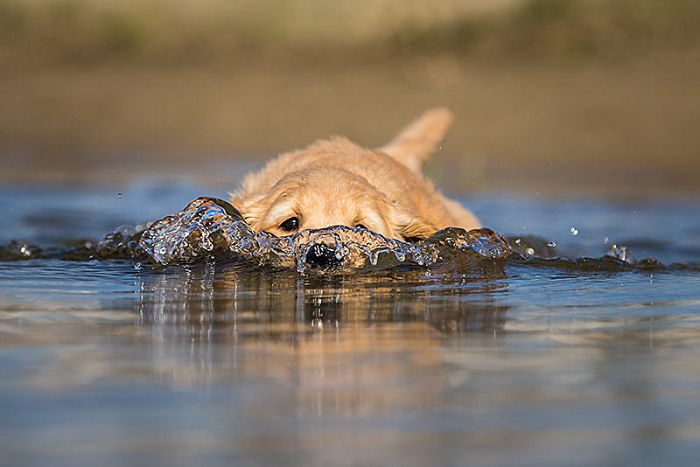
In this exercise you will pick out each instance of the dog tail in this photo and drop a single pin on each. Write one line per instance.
(419, 139)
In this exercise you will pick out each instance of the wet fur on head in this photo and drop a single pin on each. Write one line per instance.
(336, 182)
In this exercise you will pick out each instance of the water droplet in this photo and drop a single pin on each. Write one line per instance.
(530, 251)
(621, 252)
(340, 251)
(574, 231)
(552, 244)
(119, 195)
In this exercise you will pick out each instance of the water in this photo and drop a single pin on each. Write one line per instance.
(528, 362)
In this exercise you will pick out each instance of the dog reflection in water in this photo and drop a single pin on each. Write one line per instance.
(352, 345)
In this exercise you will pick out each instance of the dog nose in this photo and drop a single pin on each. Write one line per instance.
(321, 256)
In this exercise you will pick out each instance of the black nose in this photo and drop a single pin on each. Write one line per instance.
(321, 256)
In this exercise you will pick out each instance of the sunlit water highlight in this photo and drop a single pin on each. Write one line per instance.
(529, 363)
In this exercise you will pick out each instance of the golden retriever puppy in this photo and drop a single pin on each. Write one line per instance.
(336, 182)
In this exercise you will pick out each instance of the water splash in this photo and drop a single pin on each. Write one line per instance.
(622, 253)
(212, 229)
(209, 227)
(18, 250)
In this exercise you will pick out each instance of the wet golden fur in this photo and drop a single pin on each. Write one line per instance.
(336, 182)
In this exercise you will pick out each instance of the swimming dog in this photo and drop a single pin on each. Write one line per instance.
(336, 182)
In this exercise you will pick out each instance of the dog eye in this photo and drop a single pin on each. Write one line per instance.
(290, 225)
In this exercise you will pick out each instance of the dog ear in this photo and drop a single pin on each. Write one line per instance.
(410, 226)
(251, 208)
(419, 139)
(418, 229)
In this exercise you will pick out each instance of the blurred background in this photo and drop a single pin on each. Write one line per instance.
(552, 97)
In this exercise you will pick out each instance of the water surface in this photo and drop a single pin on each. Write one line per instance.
(528, 364)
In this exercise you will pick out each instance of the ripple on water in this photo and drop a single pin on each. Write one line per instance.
(538, 358)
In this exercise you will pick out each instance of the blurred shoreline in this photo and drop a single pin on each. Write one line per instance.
(579, 99)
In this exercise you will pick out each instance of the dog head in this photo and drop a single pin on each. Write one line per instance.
(320, 196)
(336, 182)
